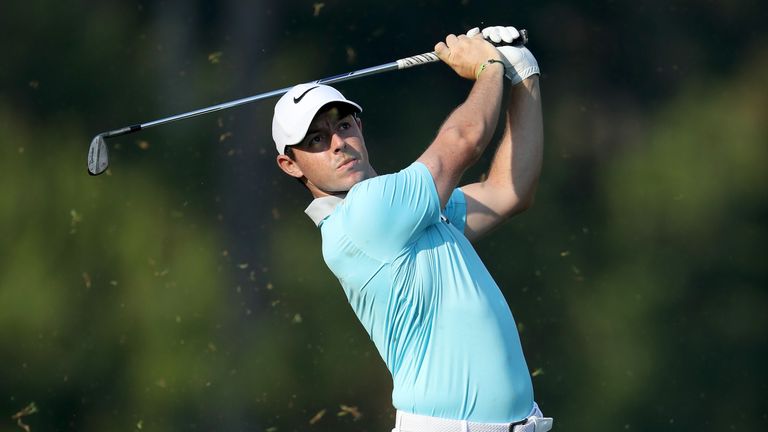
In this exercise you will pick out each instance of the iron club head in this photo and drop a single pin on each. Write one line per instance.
(97, 156)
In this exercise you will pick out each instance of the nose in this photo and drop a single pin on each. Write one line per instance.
(337, 143)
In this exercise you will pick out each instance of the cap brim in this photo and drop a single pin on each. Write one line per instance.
(306, 121)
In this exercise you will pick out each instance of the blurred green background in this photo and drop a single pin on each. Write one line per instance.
(185, 289)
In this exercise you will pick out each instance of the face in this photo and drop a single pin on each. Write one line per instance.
(332, 156)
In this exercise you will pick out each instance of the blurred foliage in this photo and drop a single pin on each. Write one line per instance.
(185, 290)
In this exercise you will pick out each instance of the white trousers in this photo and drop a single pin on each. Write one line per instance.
(406, 422)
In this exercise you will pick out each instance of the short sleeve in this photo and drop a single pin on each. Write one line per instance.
(384, 214)
(456, 209)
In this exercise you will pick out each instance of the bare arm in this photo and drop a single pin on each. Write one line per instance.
(511, 183)
(466, 132)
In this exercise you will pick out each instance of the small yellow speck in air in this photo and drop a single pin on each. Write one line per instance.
(351, 55)
(575, 270)
(224, 136)
(316, 418)
(140, 424)
(178, 318)
(297, 319)
(87, 280)
(271, 429)
(565, 253)
(143, 145)
(75, 218)
(270, 286)
(211, 347)
(536, 372)
(349, 410)
(317, 7)
(243, 266)
(26, 411)
(215, 57)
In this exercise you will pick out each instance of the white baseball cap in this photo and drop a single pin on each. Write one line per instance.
(296, 109)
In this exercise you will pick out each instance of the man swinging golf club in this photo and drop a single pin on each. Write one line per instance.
(400, 243)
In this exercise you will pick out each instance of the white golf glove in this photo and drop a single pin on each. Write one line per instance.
(519, 63)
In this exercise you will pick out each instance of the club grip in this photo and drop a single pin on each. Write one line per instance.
(431, 57)
(420, 59)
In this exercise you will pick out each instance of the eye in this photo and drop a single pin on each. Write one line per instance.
(344, 125)
(315, 140)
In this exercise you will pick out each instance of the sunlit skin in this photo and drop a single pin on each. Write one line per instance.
(332, 157)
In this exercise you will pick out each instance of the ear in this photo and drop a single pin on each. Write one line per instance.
(359, 123)
(289, 166)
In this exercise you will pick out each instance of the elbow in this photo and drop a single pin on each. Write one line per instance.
(526, 203)
(523, 194)
(518, 203)
(467, 141)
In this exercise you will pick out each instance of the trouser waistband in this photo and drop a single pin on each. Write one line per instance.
(406, 422)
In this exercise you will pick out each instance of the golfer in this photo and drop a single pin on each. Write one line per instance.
(400, 244)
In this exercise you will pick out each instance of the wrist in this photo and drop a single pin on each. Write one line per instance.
(488, 65)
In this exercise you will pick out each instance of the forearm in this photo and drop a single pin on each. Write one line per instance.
(516, 165)
(465, 133)
(470, 126)
(514, 172)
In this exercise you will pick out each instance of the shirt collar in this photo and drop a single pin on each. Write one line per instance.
(321, 208)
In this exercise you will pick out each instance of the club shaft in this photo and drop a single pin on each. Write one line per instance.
(395, 65)
(429, 57)
(98, 154)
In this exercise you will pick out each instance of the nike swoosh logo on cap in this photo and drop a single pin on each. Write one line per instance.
(301, 96)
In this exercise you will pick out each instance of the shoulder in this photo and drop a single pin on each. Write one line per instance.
(415, 173)
(411, 183)
(382, 214)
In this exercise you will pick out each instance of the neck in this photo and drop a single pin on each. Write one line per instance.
(319, 193)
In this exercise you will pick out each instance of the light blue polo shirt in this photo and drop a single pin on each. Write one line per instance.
(435, 314)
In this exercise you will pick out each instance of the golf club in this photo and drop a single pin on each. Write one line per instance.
(98, 160)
